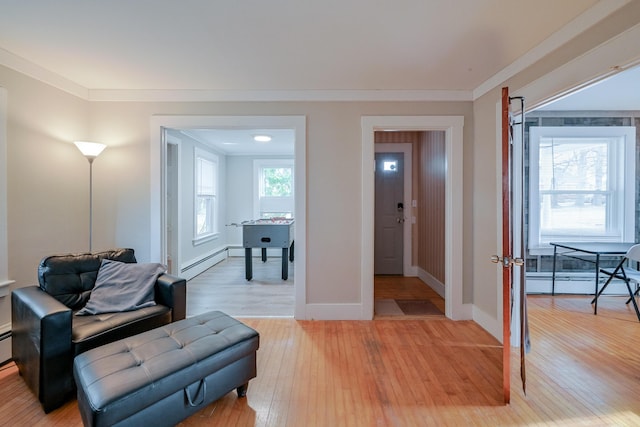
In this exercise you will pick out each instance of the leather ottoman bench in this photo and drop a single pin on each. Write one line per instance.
(162, 376)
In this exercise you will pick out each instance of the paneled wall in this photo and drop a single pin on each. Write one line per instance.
(431, 204)
(428, 188)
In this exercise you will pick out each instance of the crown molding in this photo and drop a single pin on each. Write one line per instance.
(577, 26)
(37, 72)
(587, 19)
(277, 95)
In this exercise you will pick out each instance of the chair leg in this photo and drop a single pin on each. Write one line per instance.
(635, 294)
(633, 300)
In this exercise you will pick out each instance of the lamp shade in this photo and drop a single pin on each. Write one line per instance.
(90, 150)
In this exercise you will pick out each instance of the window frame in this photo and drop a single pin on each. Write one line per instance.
(258, 166)
(214, 197)
(621, 172)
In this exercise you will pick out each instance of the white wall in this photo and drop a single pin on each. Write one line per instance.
(190, 252)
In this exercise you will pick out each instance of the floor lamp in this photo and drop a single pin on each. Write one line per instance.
(90, 150)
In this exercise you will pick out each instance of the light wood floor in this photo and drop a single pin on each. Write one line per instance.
(223, 287)
(583, 370)
(404, 288)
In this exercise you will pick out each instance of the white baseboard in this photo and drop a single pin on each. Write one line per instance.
(5, 344)
(334, 312)
(192, 268)
(488, 323)
(432, 282)
(5, 350)
(465, 312)
(4, 287)
(578, 286)
(412, 271)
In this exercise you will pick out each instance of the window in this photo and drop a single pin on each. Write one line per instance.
(274, 188)
(390, 166)
(206, 194)
(581, 185)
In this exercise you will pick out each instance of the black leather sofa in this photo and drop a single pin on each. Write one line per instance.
(46, 336)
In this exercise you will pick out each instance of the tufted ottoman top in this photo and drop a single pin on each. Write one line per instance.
(135, 372)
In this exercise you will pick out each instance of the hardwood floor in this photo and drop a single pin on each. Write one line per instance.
(390, 288)
(582, 370)
(224, 287)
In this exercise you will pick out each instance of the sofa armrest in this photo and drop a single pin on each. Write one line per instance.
(172, 292)
(41, 344)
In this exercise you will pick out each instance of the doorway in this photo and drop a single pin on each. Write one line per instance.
(160, 151)
(452, 126)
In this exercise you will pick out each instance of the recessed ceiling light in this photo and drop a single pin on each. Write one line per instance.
(262, 138)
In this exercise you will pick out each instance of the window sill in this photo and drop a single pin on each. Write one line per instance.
(205, 239)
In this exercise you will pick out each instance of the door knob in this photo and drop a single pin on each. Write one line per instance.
(507, 261)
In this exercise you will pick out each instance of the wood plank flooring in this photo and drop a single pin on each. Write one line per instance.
(583, 370)
(224, 287)
(390, 288)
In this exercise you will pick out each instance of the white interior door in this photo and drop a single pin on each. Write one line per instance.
(389, 213)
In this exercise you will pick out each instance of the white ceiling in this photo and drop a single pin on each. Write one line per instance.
(617, 93)
(241, 141)
(285, 45)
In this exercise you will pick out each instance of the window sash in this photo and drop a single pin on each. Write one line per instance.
(205, 192)
(277, 200)
(596, 201)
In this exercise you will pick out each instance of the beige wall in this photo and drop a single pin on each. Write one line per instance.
(47, 176)
(54, 216)
(334, 159)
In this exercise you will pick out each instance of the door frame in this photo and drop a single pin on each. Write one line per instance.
(174, 214)
(455, 308)
(407, 244)
(158, 182)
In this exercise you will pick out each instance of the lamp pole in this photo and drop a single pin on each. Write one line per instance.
(90, 200)
(90, 150)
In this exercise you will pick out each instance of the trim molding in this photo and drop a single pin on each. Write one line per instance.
(577, 26)
(489, 323)
(37, 72)
(453, 127)
(333, 311)
(276, 95)
(432, 282)
(406, 149)
(611, 57)
(4, 239)
(157, 157)
(193, 267)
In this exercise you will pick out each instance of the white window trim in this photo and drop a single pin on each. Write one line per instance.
(204, 238)
(628, 177)
(262, 163)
